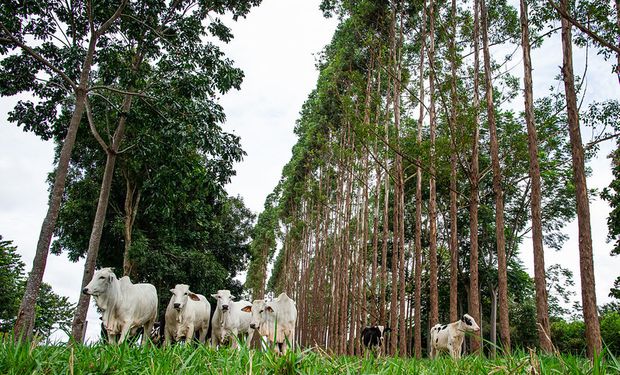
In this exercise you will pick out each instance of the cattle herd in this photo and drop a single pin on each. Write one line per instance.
(129, 309)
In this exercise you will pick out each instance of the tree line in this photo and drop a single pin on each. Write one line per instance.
(416, 175)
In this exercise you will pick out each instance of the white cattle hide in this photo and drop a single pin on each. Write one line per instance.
(125, 306)
(449, 337)
(186, 314)
(229, 320)
(275, 320)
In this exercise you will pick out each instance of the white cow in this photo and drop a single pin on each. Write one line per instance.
(275, 320)
(186, 314)
(126, 306)
(449, 337)
(229, 320)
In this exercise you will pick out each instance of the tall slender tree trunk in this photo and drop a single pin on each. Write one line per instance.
(79, 318)
(417, 338)
(24, 323)
(474, 199)
(454, 251)
(504, 324)
(586, 263)
(493, 333)
(432, 205)
(542, 309)
(132, 202)
(400, 203)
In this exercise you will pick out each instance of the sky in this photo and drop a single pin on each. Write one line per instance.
(276, 46)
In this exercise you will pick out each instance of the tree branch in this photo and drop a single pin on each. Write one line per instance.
(113, 18)
(119, 91)
(584, 29)
(13, 40)
(93, 129)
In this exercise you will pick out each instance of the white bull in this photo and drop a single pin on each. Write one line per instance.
(449, 337)
(229, 320)
(275, 320)
(186, 314)
(126, 306)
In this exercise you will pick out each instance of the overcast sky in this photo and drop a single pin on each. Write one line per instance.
(275, 47)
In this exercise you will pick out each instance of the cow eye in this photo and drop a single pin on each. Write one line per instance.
(186, 293)
(260, 312)
(101, 277)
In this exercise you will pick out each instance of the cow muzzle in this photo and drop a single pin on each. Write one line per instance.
(225, 307)
(85, 291)
(177, 306)
(253, 326)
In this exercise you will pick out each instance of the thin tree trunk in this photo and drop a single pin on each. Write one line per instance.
(24, 322)
(79, 318)
(454, 251)
(586, 263)
(432, 206)
(417, 339)
(493, 319)
(474, 199)
(542, 309)
(132, 201)
(497, 188)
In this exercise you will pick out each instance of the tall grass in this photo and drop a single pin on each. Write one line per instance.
(28, 358)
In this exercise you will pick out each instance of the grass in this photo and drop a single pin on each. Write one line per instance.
(27, 358)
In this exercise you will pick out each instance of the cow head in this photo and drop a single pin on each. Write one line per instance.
(100, 282)
(180, 294)
(383, 331)
(469, 324)
(224, 299)
(257, 310)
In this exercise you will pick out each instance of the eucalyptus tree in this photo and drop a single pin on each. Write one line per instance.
(49, 50)
(542, 309)
(586, 263)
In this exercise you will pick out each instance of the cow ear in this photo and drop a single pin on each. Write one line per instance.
(172, 291)
(214, 295)
(193, 296)
(247, 309)
(269, 309)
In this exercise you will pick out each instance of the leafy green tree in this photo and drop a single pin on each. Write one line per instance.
(11, 271)
(48, 51)
(53, 311)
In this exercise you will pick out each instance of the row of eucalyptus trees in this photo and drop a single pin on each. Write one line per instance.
(407, 195)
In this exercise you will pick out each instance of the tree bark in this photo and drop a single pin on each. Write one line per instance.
(474, 199)
(132, 202)
(454, 251)
(417, 338)
(497, 188)
(586, 263)
(432, 206)
(542, 309)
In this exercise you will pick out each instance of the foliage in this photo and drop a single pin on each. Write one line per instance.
(53, 311)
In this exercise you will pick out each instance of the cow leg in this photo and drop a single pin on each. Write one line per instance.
(126, 327)
(248, 340)
(202, 334)
(234, 337)
(148, 327)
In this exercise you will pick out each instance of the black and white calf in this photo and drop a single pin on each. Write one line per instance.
(373, 337)
(449, 337)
